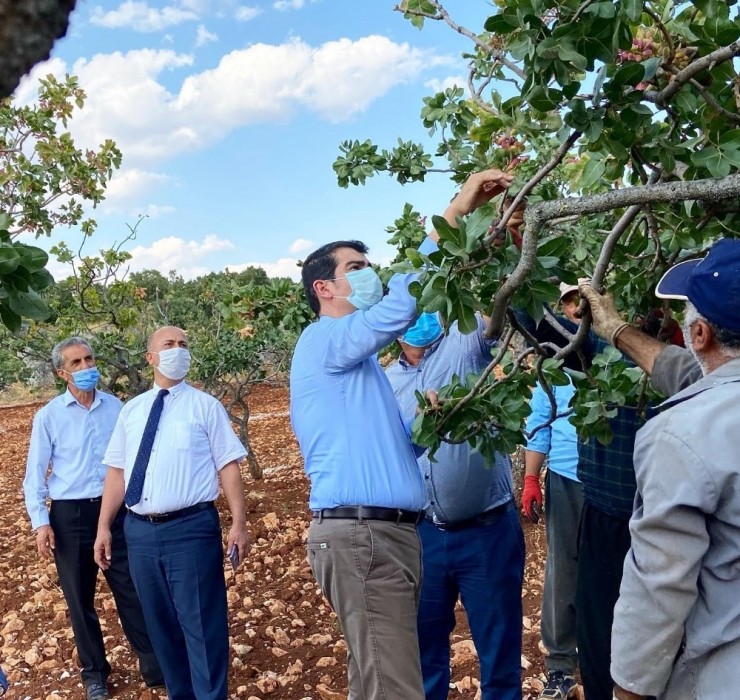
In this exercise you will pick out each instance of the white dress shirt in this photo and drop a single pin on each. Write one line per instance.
(72, 439)
(194, 441)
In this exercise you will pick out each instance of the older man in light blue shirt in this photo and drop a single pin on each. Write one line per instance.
(70, 433)
(366, 491)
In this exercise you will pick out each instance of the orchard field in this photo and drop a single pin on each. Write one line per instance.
(285, 641)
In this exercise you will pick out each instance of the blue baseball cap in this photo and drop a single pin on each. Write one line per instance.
(711, 284)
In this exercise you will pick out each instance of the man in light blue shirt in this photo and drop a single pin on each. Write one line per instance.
(70, 433)
(366, 491)
(472, 541)
(557, 441)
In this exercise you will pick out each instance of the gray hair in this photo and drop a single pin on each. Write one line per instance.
(728, 341)
(57, 360)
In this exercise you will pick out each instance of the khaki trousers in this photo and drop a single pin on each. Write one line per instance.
(370, 572)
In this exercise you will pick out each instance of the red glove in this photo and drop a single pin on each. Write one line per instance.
(531, 495)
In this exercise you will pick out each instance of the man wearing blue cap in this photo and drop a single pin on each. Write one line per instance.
(472, 542)
(676, 630)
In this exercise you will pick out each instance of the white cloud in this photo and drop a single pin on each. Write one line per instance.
(283, 5)
(284, 267)
(175, 253)
(204, 37)
(301, 244)
(448, 82)
(129, 185)
(59, 271)
(265, 82)
(245, 13)
(128, 102)
(28, 89)
(155, 211)
(140, 17)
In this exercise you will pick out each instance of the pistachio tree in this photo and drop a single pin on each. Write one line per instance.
(620, 121)
(46, 182)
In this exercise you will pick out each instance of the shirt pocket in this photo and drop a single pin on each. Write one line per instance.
(182, 434)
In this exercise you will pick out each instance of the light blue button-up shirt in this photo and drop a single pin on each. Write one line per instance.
(461, 483)
(355, 446)
(72, 439)
(558, 440)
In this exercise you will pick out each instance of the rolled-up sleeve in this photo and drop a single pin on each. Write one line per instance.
(674, 369)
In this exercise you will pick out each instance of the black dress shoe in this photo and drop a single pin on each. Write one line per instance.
(97, 691)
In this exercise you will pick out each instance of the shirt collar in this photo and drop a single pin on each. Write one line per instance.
(430, 350)
(69, 399)
(174, 390)
(725, 373)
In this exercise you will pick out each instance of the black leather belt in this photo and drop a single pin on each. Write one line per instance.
(172, 515)
(97, 499)
(397, 515)
(487, 517)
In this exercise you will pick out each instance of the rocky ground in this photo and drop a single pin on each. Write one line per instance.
(286, 642)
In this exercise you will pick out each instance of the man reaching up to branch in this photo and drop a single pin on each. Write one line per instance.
(366, 491)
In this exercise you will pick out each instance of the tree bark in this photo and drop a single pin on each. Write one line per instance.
(710, 190)
(28, 30)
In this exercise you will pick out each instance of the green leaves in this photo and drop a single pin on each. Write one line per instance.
(603, 70)
(51, 180)
(9, 258)
(22, 275)
(632, 10)
(360, 162)
(491, 423)
(722, 158)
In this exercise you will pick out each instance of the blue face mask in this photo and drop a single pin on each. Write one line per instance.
(85, 379)
(367, 289)
(424, 332)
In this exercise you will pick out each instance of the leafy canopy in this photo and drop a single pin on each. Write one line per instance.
(620, 121)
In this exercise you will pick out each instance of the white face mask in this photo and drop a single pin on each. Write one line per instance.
(174, 363)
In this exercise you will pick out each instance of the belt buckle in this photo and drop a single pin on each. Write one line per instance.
(399, 516)
(153, 517)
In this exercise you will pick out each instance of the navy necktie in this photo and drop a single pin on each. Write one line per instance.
(136, 482)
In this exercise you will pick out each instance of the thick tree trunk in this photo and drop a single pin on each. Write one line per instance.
(28, 30)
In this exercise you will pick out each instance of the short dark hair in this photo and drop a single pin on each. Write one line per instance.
(320, 265)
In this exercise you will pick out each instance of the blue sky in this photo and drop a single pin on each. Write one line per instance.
(229, 116)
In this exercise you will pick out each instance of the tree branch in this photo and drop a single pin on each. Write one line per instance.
(709, 190)
(540, 175)
(726, 53)
(443, 16)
